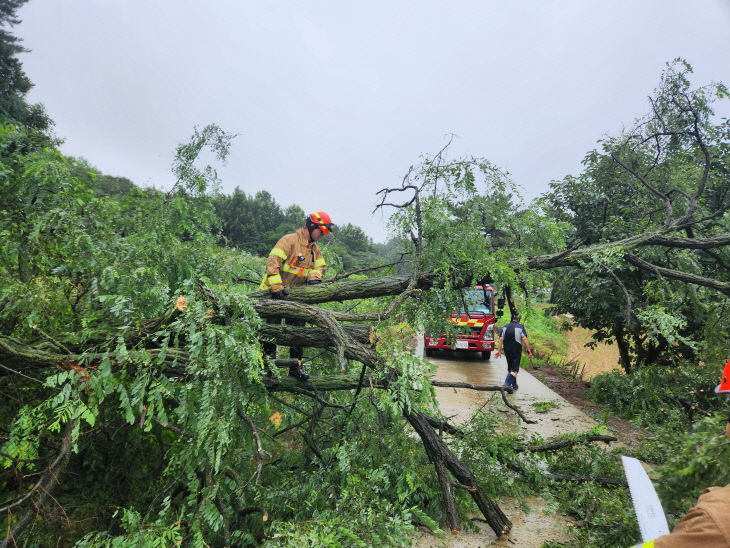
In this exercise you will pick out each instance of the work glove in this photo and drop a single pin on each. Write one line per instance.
(281, 294)
(314, 282)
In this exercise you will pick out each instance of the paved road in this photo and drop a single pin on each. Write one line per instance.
(462, 403)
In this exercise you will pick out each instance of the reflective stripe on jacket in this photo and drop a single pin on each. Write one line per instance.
(293, 261)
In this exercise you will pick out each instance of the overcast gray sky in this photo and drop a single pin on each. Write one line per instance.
(334, 100)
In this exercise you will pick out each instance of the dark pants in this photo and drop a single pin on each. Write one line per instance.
(295, 352)
(513, 364)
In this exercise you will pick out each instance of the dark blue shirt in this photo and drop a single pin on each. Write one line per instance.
(512, 334)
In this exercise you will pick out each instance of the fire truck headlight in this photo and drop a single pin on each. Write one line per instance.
(490, 332)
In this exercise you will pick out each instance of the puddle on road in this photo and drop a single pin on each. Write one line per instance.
(529, 529)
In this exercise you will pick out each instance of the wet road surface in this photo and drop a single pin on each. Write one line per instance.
(461, 403)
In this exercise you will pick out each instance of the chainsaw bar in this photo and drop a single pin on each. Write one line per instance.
(649, 512)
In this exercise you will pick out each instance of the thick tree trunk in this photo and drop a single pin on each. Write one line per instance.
(18, 354)
(332, 383)
(17, 357)
(452, 517)
(623, 349)
(320, 383)
(510, 302)
(314, 337)
(654, 351)
(352, 289)
(572, 257)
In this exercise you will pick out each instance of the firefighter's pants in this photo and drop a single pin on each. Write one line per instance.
(295, 352)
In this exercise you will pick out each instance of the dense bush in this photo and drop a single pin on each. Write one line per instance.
(695, 460)
(686, 427)
(657, 394)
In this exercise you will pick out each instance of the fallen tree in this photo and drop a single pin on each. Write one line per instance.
(356, 341)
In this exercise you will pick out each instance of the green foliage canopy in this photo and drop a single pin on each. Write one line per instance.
(670, 170)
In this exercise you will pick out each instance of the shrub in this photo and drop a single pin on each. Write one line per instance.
(657, 394)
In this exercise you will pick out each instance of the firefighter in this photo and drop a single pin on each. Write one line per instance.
(295, 260)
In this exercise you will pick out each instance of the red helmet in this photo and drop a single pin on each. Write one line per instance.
(319, 219)
(724, 386)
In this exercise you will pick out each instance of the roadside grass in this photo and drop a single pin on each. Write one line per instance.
(547, 340)
(544, 406)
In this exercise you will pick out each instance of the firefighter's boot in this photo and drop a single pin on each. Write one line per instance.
(298, 373)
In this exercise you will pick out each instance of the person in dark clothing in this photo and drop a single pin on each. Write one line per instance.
(512, 337)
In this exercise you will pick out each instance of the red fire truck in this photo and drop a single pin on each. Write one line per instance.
(474, 325)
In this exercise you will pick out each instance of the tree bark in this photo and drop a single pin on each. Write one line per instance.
(553, 446)
(623, 349)
(314, 337)
(452, 517)
(653, 238)
(510, 302)
(332, 383)
(586, 479)
(352, 289)
(687, 277)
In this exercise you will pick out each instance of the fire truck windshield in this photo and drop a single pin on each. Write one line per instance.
(478, 301)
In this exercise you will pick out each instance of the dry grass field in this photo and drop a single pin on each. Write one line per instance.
(602, 358)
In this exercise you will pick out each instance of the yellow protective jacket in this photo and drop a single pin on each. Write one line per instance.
(292, 262)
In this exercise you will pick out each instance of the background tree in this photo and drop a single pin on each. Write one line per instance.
(14, 83)
(354, 248)
(255, 223)
(668, 175)
(104, 185)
